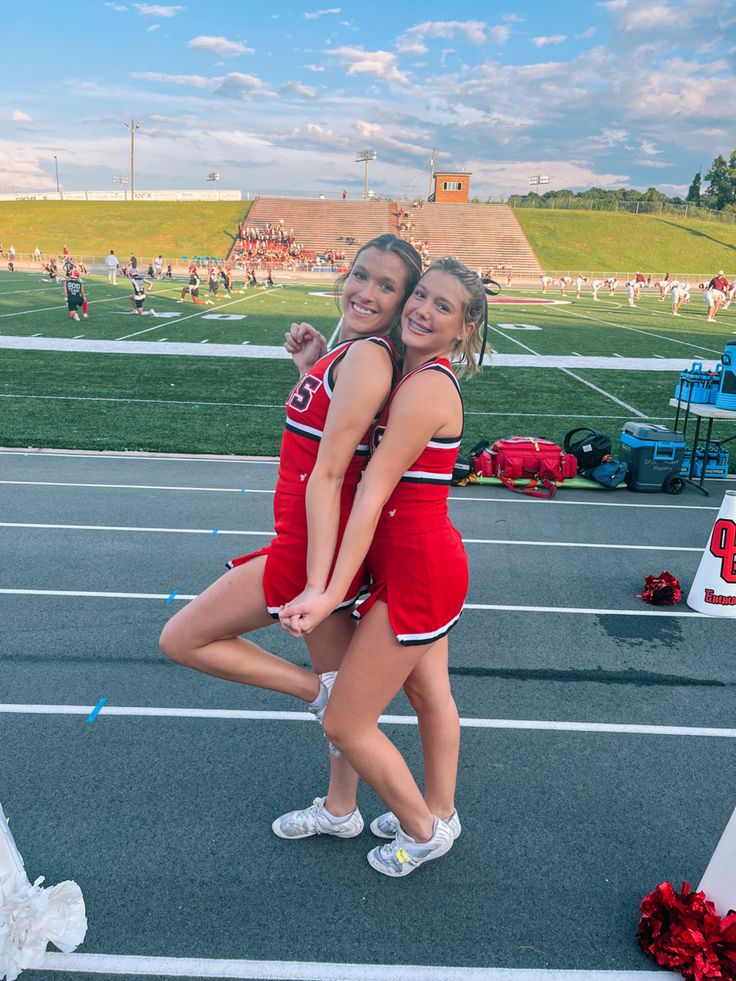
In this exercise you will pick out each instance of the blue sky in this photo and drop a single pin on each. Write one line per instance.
(278, 97)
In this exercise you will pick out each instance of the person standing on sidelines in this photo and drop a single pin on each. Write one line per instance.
(112, 268)
(328, 415)
(419, 569)
(158, 267)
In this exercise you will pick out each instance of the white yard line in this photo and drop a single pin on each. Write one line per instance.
(62, 306)
(567, 371)
(613, 398)
(165, 325)
(195, 967)
(274, 405)
(267, 534)
(648, 333)
(215, 490)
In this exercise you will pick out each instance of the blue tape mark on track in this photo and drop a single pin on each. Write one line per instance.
(170, 599)
(96, 711)
(215, 532)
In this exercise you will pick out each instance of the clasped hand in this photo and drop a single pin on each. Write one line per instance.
(306, 611)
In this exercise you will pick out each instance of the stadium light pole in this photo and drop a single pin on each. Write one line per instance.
(122, 181)
(132, 126)
(363, 156)
(56, 168)
(536, 179)
(214, 176)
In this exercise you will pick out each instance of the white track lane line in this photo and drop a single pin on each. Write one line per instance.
(496, 607)
(269, 534)
(215, 490)
(135, 456)
(172, 323)
(466, 500)
(192, 967)
(587, 504)
(263, 715)
(582, 381)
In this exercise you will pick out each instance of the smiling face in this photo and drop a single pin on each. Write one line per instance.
(372, 294)
(434, 316)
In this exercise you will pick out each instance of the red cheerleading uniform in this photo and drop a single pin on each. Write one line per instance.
(417, 561)
(285, 574)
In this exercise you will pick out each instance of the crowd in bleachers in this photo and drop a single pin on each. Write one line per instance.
(406, 231)
(272, 245)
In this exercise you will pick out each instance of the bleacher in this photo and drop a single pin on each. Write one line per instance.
(480, 235)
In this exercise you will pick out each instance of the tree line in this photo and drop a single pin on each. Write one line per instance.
(716, 190)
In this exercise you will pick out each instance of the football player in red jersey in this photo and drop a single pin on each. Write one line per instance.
(419, 574)
(328, 416)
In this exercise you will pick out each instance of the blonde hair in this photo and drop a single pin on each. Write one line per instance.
(475, 310)
(389, 245)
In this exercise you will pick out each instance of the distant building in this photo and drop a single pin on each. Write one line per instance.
(451, 187)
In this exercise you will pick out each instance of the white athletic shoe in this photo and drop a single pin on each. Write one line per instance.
(387, 825)
(85, 315)
(75, 315)
(315, 820)
(180, 301)
(402, 855)
(319, 706)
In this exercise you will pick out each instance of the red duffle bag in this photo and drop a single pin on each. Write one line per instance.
(540, 463)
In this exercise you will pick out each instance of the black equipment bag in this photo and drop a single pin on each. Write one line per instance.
(588, 449)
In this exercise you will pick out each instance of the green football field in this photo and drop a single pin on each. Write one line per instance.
(182, 402)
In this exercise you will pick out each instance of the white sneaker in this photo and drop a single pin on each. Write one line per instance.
(387, 825)
(319, 706)
(402, 855)
(85, 315)
(315, 820)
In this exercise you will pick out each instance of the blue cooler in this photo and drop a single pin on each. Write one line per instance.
(654, 455)
(726, 398)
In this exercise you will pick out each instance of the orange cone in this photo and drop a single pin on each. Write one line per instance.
(713, 591)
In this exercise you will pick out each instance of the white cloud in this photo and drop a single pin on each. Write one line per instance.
(236, 85)
(512, 18)
(156, 10)
(218, 45)
(648, 148)
(197, 81)
(613, 4)
(656, 15)
(499, 34)
(412, 42)
(587, 34)
(382, 64)
(541, 42)
(312, 15)
(377, 135)
(153, 27)
(314, 68)
(512, 176)
(117, 7)
(296, 88)
(20, 117)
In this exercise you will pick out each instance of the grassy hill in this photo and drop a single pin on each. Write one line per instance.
(92, 228)
(591, 241)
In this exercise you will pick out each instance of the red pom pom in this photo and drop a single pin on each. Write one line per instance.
(662, 590)
(683, 931)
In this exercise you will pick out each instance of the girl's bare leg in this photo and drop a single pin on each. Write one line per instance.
(428, 690)
(206, 635)
(327, 646)
(373, 670)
